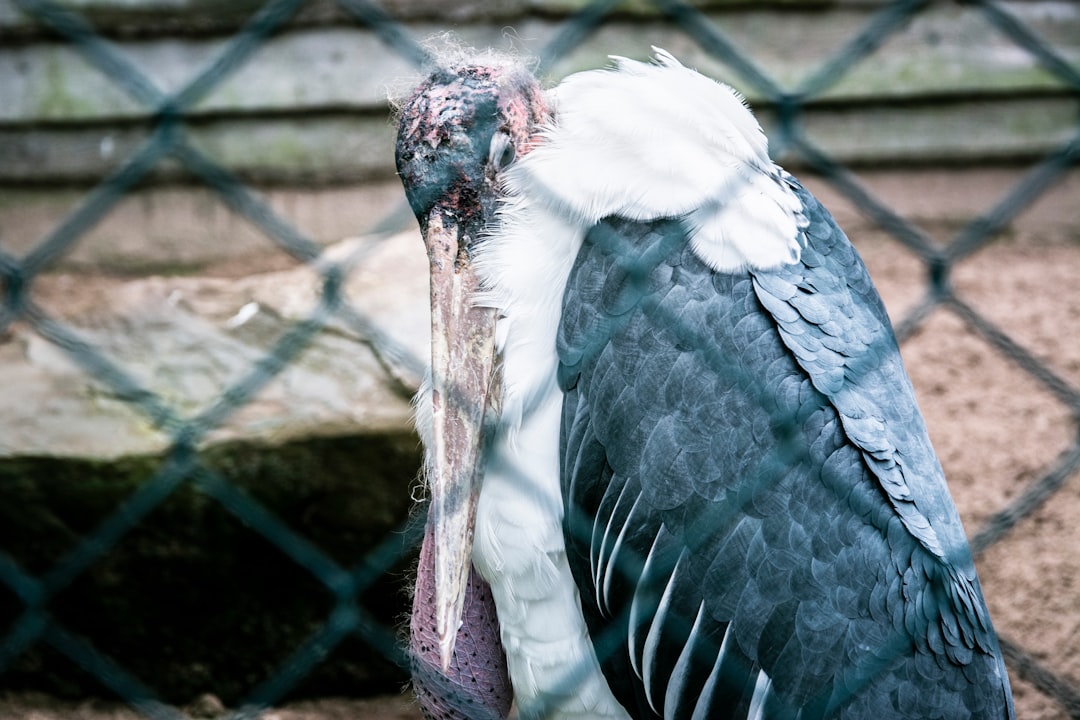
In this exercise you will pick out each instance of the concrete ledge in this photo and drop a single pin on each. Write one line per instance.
(184, 229)
(188, 230)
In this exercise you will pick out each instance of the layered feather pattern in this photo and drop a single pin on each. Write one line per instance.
(758, 508)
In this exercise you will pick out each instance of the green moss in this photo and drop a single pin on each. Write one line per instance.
(293, 151)
(56, 97)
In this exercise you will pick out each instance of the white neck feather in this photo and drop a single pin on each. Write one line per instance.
(654, 140)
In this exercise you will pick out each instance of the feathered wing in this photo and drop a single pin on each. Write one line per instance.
(754, 515)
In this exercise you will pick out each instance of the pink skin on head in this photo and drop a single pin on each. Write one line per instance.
(444, 133)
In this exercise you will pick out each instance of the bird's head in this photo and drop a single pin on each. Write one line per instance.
(461, 127)
(458, 131)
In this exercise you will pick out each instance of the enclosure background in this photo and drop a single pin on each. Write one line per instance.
(213, 313)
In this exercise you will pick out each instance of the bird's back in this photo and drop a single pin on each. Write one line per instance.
(754, 514)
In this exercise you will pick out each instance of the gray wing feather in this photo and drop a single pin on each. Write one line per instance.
(754, 514)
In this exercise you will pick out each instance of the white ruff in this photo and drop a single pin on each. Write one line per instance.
(644, 142)
(647, 141)
(518, 544)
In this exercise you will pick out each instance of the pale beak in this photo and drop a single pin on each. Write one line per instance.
(462, 363)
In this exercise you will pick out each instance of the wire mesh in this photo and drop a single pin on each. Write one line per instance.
(183, 466)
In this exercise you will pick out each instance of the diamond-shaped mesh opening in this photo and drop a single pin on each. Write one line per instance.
(1042, 267)
(993, 437)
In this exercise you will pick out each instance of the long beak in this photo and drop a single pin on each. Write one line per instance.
(462, 362)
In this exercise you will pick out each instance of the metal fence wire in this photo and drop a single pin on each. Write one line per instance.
(183, 466)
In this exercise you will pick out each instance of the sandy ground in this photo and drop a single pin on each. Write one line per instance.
(997, 430)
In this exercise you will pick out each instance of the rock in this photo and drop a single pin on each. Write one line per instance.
(206, 705)
(190, 341)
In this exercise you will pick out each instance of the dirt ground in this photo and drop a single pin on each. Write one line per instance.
(996, 429)
(40, 707)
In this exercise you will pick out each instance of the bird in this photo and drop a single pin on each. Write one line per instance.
(676, 466)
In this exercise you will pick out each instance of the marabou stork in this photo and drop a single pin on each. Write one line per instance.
(667, 422)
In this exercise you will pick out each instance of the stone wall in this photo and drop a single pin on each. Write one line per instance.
(305, 118)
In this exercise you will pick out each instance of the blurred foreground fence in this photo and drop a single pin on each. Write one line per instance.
(167, 129)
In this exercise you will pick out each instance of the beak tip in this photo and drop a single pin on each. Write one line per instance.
(446, 651)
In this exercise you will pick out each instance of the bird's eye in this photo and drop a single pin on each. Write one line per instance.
(502, 150)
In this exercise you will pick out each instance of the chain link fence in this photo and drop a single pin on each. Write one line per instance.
(348, 584)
